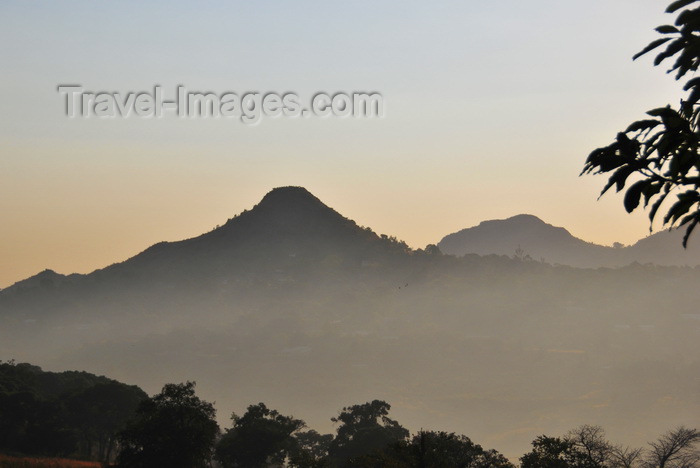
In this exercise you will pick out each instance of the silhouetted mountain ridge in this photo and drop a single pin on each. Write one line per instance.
(290, 228)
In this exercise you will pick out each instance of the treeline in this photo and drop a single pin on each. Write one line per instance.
(177, 429)
(81, 415)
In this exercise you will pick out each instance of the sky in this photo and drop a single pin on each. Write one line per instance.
(490, 111)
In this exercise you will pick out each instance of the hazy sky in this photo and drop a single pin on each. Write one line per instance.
(491, 110)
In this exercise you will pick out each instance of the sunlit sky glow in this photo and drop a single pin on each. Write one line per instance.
(491, 109)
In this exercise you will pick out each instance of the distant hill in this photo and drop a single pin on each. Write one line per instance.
(530, 236)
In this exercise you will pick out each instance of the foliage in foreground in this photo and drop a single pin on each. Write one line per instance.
(662, 152)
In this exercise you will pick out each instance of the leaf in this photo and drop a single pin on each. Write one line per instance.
(650, 190)
(663, 146)
(679, 208)
(633, 195)
(660, 111)
(672, 49)
(604, 159)
(686, 17)
(642, 125)
(687, 60)
(667, 29)
(618, 179)
(688, 218)
(686, 160)
(691, 84)
(655, 207)
(678, 4)
(689, 231)
(688, 105)
(652, 45)
(628, 148)
(650, 143)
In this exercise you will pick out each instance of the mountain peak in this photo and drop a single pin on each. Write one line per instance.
(292, 205)
(44, 278)
(288, 196)
(526, 218)
(288, 189)
(517, 220)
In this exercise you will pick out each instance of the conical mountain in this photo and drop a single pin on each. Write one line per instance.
(288, 228)
(288, 223)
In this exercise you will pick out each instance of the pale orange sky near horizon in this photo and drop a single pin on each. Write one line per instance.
(491, 111)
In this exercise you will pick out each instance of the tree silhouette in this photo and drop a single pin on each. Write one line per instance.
(363, 429)
(625, 457)
(99, 413)
(436, 449)
(661, 153)
(430, 449)
(260, 437)
(553, 452)
(311, 449)
(594, 449)
(587, 447)
(675, 449)
(174, 429)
